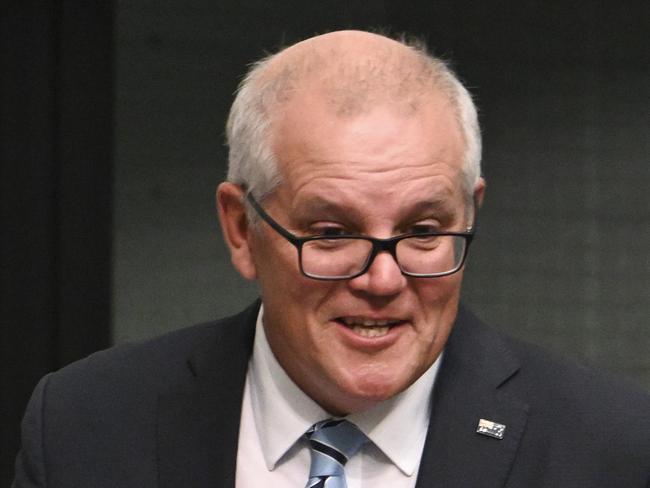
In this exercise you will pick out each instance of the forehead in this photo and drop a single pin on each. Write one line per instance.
(406, 148)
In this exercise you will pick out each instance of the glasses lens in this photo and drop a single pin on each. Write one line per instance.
(334, 258)
(431, 255)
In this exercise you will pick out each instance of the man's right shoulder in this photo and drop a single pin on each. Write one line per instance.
(160, 362)
(99, 418)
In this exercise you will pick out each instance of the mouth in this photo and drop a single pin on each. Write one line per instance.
(367, 327)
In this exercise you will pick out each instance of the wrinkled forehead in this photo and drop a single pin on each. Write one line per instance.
(384, 153)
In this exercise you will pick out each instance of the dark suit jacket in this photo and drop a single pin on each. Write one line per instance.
(165, 414)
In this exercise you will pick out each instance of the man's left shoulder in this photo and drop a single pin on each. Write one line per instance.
(573, 386)
(556, 422)
(562, 395)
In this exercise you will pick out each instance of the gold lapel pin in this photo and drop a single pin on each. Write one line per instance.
(490, 429)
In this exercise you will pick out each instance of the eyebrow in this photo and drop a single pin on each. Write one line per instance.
(323, 205)
(320, 205)
(436, 206)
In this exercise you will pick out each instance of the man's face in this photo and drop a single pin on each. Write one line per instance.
(380, 173)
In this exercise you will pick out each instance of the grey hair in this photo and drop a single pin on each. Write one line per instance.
(251, 162)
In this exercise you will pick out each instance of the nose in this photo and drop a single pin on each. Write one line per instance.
(383, 277)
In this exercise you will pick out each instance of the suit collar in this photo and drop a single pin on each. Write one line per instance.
(198, 423)
(477, 363)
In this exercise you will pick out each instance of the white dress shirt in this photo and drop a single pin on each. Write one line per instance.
(276, 413)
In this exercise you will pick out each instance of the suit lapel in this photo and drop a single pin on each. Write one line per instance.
(198, 423)
(476, 363)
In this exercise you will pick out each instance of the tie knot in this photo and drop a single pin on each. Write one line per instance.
(339, 435)
(332, 443)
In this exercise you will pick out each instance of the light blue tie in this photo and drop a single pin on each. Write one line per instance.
(332, 443)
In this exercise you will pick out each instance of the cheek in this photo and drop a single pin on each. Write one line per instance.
(289, 297)
(435, 294)
(438, 306)
(276, 261)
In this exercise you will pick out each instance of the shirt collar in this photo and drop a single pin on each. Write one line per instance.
(398, 426)
(283, 412)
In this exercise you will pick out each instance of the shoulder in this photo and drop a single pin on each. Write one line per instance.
(571, 386)
(536, 372)
(573, 409)
(103, 411)
(156, 364)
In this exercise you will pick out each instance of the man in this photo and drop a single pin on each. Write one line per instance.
(352, 196)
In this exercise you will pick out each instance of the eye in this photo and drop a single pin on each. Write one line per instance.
(423, 228)
(328, 230)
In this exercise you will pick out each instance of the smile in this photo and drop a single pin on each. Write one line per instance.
(367, 327)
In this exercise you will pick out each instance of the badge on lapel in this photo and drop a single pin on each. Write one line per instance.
(490, 428)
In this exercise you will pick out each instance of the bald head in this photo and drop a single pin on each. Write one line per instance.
(349, 72)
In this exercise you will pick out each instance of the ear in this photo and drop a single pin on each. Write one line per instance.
(235, 228)
(479, 192)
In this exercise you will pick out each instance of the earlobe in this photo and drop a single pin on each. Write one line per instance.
(235, 228)
(479, 192)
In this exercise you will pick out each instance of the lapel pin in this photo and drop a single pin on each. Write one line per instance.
(490, 429)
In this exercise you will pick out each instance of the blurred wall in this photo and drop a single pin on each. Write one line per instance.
(562, 257)
(56, 139)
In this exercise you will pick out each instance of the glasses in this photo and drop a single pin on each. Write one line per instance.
(343, 257)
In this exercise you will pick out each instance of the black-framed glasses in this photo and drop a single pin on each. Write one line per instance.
(343, 257)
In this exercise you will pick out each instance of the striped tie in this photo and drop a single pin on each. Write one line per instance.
(332, 443)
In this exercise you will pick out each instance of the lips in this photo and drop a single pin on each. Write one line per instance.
(369, 327)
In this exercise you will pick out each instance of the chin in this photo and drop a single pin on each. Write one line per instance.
(368, 390)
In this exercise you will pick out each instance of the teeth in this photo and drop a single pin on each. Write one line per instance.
(367, 322)
(365, 331)
(366, 327)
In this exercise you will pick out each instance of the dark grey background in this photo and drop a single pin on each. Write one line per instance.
(562, 258)
(111, 146)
